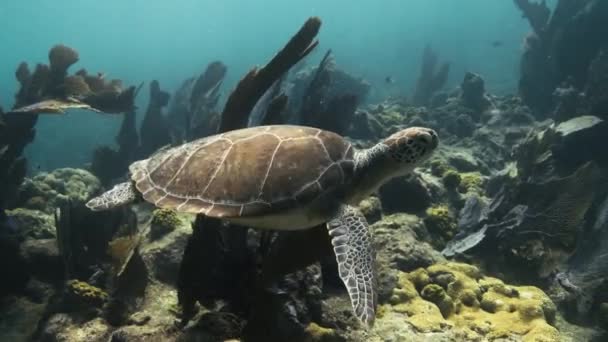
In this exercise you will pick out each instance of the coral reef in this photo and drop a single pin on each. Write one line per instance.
(47, 191)
(52, 83)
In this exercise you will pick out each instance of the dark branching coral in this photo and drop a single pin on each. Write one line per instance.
(430, 80)
(52, 83)
(154, 132)
(324, 103)
(253, 86)
(274, 113)
(228, 270)
(16, 131)
(562, 48)
(202, 118)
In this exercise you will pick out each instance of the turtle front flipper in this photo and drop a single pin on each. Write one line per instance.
(352, 241)
(120, 194)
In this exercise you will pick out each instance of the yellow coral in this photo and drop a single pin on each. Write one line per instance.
(471, 182)
(85, 293)
(440, 224)
(458, 295)
(317, 333)
(163, 222)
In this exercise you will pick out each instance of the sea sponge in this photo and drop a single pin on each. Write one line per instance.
(479, 307)
(61, 58)
(82, 293)
(163, 222)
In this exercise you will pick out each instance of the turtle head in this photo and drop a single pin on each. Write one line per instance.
(395, 156)
(408, 148)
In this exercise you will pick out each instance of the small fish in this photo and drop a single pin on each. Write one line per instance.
(497, 43)
(389, 80)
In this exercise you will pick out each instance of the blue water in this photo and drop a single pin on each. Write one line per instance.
(142, 40)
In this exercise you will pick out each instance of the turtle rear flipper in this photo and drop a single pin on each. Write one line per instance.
(120, 194)
(355, 254)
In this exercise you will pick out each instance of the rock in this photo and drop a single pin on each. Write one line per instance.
(371, 209)
(33, 223)
(399, 240)
(474, 211)
(365, 126)
(43, 259)
(19, 318)
(473, 92)
(577, 141)
(163, 256)
(464, 126)
(405, 194)
(463, 162)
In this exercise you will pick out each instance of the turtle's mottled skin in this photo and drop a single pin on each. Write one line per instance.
(282, 177)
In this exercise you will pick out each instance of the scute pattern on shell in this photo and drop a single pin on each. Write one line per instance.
(246, 172)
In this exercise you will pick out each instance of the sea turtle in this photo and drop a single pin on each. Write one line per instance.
(282, 177)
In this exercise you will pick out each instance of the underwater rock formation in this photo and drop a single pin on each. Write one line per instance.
(430, 79)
